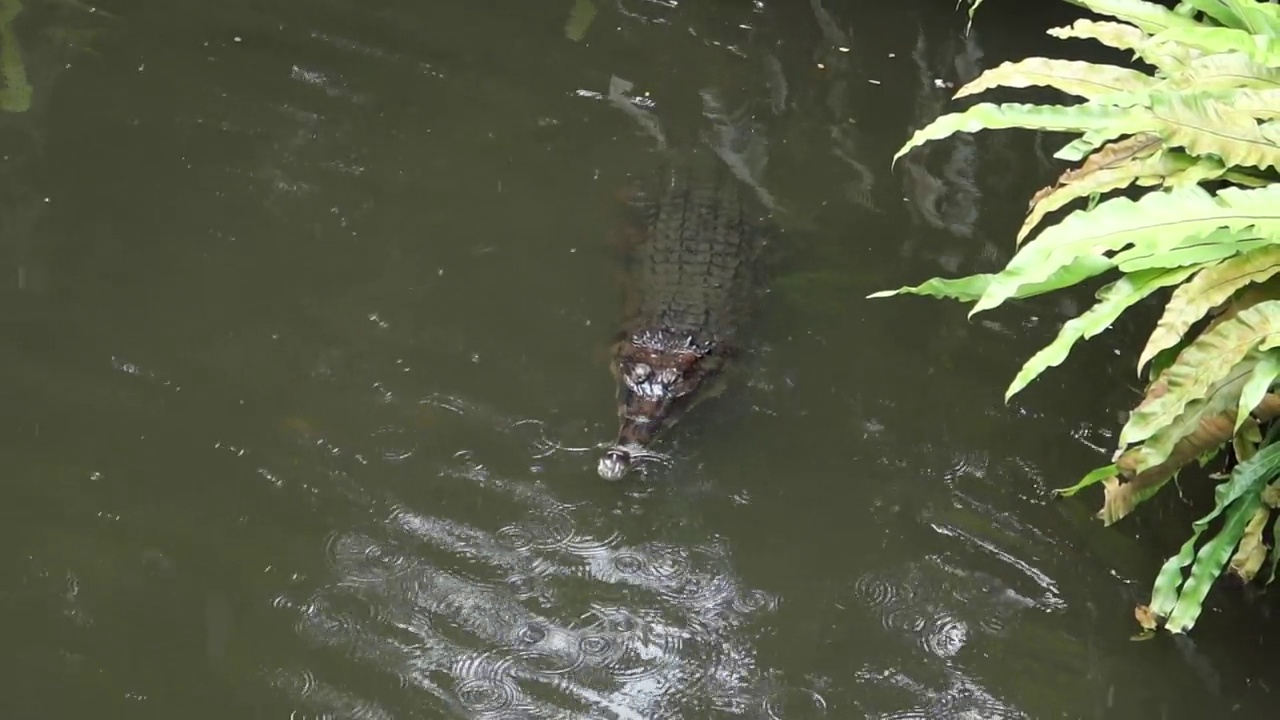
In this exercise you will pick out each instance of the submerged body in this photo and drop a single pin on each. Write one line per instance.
(690, 269)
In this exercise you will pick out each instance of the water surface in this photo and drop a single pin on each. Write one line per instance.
(306, 311)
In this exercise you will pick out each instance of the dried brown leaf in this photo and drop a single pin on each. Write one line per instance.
(1252, 551)
(1145, 617)
(1125, 491)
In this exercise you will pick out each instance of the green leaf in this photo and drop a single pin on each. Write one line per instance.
(965, 289)
(580, 17)
(1201, 170)
(1113, 299)
(1217, 10)
(1262, 49)
(968, 289)
(1084, 79)
(1207, 360)
(1095, 476)
(1218, 245)
(1208, 289)
(15, 91)
(1159, 220)
(1246, 479)
(1112, 34)
(1209, 563)
(1106, 121)
(1258, 384)
(1077, 149)
(973, 8)
(1147, 16)
(1222, 72)
(1262, 19)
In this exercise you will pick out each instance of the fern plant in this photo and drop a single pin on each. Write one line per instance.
(1197, 136)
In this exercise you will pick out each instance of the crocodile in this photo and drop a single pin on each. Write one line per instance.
(691, 266)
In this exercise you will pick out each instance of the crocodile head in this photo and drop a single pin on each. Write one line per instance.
(657, 382)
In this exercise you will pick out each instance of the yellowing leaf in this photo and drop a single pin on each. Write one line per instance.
(1147, 16)
(1113, 34)
(1145, 617)
(1205, 125)
(1165, 56)
(1205, 428)
(1207, 360)
(1271, 495)
(1084, 79)
(1263, 104)
(1252, 552)
(1245, 441)
(1223, 71)
(1208, 289)
(1120, 498)
(1107, 121)
(1262, 49)
(1111, 167)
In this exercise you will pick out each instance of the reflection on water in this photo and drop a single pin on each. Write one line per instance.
(304, 404)
(554, 613)
(664, 650)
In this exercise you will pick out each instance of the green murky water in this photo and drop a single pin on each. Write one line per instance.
(305, 307)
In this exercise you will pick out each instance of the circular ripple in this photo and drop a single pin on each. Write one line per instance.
(626, 647)
(338, 621)
(879, 593)
(486, 695)
(795, 702)
(516, 537)
(630, 563)
(547, 650)
(362, 559)
(667, 562)
(294, 683)
(587, 546)
(552, 530)
(753, 601)
(656, 654)
(485, 683)
(701, 590)
(601, 650)
(944, 635)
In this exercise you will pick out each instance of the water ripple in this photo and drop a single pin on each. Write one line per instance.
(485, 684)
(363, 560)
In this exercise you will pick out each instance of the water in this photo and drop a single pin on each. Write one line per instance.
(305, 317)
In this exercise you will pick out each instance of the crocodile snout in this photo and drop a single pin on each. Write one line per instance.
(614, 464)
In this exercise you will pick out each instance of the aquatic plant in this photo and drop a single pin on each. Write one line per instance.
(1195, 136)
(15, 92)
